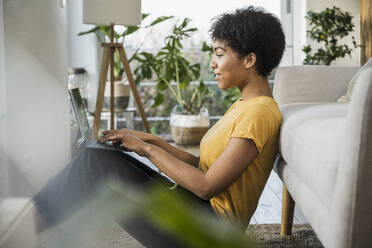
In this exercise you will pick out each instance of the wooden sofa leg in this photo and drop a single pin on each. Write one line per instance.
(288, 206)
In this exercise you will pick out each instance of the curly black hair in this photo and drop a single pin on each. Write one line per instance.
(252, 30)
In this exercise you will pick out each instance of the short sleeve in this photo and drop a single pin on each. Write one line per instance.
(254, 125)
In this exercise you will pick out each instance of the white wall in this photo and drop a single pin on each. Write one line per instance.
(3, 129)
(294, 26)
(286, 20)
(83, 50)
(38, 129)
(299, 30)
(351, 6)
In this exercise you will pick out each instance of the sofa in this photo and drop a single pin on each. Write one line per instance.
(325, 151)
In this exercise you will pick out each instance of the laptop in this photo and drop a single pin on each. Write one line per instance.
(85, 133)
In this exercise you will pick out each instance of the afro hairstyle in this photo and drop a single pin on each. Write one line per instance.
(252, 30)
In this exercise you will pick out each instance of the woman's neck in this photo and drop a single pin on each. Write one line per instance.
(256, 86)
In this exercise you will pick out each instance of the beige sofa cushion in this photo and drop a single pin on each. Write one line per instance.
(346, 98)
(310, 141)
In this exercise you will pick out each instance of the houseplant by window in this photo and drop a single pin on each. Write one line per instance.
(120, 33)
(327, 28)
(177, 77)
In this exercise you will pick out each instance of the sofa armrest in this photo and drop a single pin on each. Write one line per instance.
(305, 84)
(352, 197)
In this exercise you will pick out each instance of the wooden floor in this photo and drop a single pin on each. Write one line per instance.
(270, 205)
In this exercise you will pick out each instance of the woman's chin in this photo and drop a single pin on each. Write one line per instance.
(222, 87)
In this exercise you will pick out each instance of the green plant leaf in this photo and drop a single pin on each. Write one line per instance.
(191, 224)
(130, 30)
(206, 48)
(147, 72)
(138, 73)
(184, 84)
(105, 30)
(203, 89)
(116, 35)
(144, 15)
(154, 130)
(195, 68)
(190, 30)
(93, 30)
(178, 44)
(159, 20)
(161, 85)
(158, 100)
(148, 56)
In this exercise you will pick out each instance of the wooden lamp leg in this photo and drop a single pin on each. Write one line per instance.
(288, 206)
(112, 79)
(101, 91)
(133, 87)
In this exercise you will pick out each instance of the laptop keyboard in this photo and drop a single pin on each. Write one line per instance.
(105, 146)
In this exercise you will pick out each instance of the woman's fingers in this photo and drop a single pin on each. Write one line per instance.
(106, 134)
(115, 138)
(109, 132)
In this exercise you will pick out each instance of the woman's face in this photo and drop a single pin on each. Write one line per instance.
(229, 70)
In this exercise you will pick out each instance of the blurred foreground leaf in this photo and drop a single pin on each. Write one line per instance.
(168, 210)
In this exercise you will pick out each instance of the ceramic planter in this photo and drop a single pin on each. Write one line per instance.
(189, 129)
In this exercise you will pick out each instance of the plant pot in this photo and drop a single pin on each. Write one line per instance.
(121, 96)
(189, 129)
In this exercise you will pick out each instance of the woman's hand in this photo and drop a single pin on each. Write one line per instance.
(147, 137)
(130, 142)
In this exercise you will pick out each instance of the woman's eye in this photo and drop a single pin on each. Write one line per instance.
(219, 55)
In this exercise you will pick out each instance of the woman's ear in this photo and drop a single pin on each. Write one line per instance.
(249, 60)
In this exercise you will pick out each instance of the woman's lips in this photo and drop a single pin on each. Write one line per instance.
(217, 76)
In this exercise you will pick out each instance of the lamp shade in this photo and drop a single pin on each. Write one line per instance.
(106, 12)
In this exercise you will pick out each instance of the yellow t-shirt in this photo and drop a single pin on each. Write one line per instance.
(257, 119)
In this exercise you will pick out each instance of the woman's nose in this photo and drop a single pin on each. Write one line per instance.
(212, 64)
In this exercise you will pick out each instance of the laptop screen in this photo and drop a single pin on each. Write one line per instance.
(80, 112)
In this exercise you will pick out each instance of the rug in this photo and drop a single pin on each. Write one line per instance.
(268, 236)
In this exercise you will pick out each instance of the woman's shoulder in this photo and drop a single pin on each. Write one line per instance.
(258, 103)
(264, 106)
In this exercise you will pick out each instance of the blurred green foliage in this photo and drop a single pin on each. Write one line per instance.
(197, 228)
(175, 213)
(169, 211)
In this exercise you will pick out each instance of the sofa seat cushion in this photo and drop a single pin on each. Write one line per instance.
(310, 141)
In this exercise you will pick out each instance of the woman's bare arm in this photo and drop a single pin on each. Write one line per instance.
(236, 157)
(182, 155)
(225, 170)
(157, 141)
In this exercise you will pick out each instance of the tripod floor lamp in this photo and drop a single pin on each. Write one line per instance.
(110, 12)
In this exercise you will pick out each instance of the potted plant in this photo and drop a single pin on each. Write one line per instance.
(189, 121)
(122, 90)
(327, 27)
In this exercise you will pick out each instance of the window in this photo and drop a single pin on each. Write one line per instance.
(201, 13)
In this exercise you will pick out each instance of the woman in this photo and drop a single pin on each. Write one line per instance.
(236, 154)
